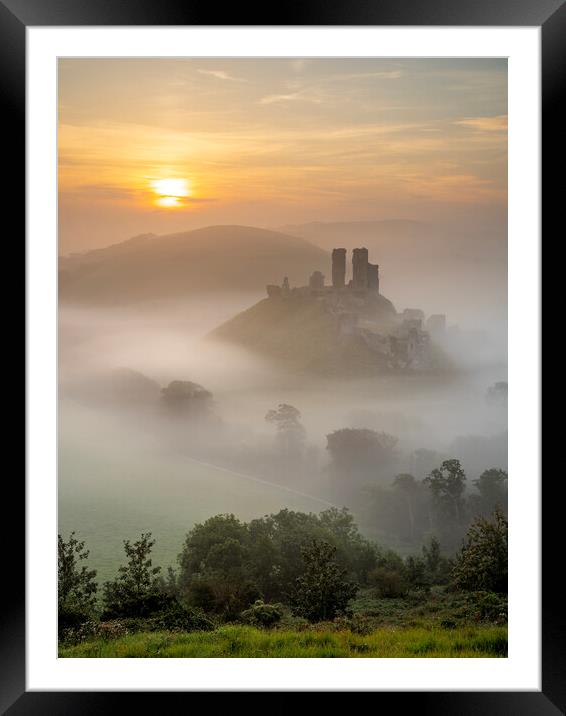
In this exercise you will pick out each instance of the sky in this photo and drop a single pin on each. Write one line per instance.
(164, 145)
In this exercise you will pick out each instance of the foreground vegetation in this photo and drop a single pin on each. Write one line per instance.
(245, 641)
(290, 584)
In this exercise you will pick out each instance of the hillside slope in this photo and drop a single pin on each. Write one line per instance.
(301, 334)
(212, 259)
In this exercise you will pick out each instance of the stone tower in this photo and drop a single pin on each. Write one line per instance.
(373, 277)
(338, 268)
(360, 268)
(316, 281)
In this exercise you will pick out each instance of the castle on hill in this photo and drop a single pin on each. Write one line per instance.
(365, 276)
(397, 340)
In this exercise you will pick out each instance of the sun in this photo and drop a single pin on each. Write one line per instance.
(171, 192)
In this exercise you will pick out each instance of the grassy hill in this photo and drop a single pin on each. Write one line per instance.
(208, 260)
(303, 335)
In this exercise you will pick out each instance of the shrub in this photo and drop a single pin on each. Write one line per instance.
(388, 583)
(224, 595)
(321, 592)
(482, 563)
(261, 614)
(142, 607)
(70, 619)
(94, 630)
(292, 622)
(357, 624)
(488, 606)
(417, 575)
(138, 590)
(76, 594)
(200, 594)
(180, 618)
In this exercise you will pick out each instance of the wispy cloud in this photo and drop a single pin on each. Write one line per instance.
(221, 75)
(320, 90)
(302, 96)
(485, 124)
(103, 191)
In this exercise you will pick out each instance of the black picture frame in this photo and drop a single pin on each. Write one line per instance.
(15, 16)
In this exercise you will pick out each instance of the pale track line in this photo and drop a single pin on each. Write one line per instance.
(251, 478)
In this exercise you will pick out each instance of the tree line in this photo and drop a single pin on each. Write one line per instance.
(409, 509)
(229, 570)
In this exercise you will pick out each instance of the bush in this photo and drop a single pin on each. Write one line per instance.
(76, 593)
(200, 594)
(417, 574)
(488, 606)
(138, 591)
(388, 583)
(226, 596)
(261, 614)
(290, 622)
(94, 630)
(142, 607)
(482, 563)
(357, 624)
(70, 619)
(180, 618)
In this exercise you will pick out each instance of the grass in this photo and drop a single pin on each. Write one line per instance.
(233, 641)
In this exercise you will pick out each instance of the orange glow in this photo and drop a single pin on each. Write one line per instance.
(168, 201)
(170, 191)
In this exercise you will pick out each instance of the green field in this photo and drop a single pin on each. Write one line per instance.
(114, 484)
(248, 642)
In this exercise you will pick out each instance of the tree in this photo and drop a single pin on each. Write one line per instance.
(447, 485)
(322, 591)
(138, 591)
(482, 563)
(277, 540)
(187, 398)
(290, 431)
(202, 550)
(497, 394)
(216, 574)
(77, 587)
(437, 566)
(492, 486)
(351, 446)
(358, 455)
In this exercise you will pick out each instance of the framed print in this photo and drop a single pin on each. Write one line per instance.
(283, 327)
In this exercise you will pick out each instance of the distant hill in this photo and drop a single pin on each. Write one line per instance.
(374, 235)
(394, 239)
(303, 336)
(212, 259)
(120, 386)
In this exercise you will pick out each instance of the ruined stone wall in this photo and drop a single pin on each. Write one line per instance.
(373, 277)
(316, 280)
(339, 268)
(360, 268)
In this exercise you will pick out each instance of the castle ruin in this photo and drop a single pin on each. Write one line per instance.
(398, 340)
(365, 276)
